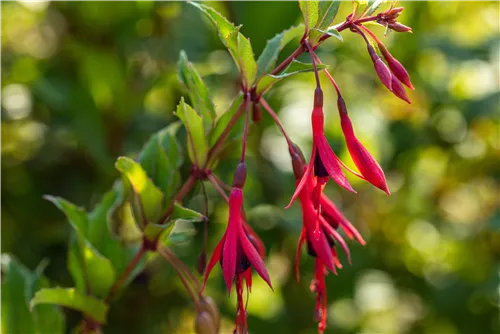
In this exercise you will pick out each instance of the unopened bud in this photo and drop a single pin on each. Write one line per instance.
(256, 113)
(208, 305)
(398, 90)
(318, 97)
(381, 68)
(396, 26)
(204, 324)
(240, 175)
(298, 161)
(391, 14)
(396, 67)
(383, 72)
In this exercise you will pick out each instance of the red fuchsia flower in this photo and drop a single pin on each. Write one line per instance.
(320, 245)
(323, 162)
(238, 251)
(367, 165)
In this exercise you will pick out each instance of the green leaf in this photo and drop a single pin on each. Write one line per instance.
(248, 66)
(274, 46)
(48, 318)
(196, 141)
(315, 34)
(224, 120)
(182, 214)
(197, 91)
(148, 200)
(310, 12)
(238, 45)
(87, 264)
(295, 67)
(76, 216)
(101, 236)
(16, 317)
(372, 6)
(224, 28)
(326, 14)
(161, 158)
(71, 298)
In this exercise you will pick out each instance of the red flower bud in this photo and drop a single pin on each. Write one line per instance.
(396, 26)
(397, 69)
(381, 68)
(364, 161)
(398, 90)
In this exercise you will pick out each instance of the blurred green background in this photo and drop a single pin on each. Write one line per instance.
(86, 82)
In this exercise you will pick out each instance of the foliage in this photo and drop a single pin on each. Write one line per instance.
(98, 80)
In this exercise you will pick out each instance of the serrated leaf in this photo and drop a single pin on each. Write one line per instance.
(71, 298)
(238, 45)
(161, 158)
(197, 91)
(246, 60)
(224, 28)
(310, 12)
(295, 67)
(76, 216)
(196, 141)
(224, 120)
(327, 10)
(16, 317)
(274, 46)
(148, 199)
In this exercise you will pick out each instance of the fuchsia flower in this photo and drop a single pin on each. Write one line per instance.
(320, 245)
(367, 165)
(323, 162)
(238, 251)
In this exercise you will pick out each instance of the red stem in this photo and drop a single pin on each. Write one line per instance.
(126, 273)
(300, 50)
(277, 121)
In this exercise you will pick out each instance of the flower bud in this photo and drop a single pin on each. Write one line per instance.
(396, 26)
(240, 175)
(208, 305)
(381, 68)
(298, 162)
(204, 324)
(364, 161)
(391, 14)
(398, 90)
(396, 67)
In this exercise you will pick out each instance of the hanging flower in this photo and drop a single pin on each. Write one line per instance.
(238, 251)
(323, 162)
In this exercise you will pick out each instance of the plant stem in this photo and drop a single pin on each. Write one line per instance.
(126, 273)
(218, 187)
(329, 76)
(277, 121)
(181, 271)
(220, 141)
(316, 74)
(300, 50)
(245, 131)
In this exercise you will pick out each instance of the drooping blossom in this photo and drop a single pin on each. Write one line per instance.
(320, 245)
(323, 164)
(238, 251)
